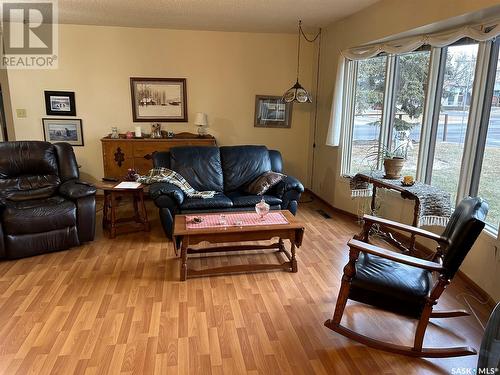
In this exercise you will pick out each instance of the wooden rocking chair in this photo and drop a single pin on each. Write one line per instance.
(404, 284)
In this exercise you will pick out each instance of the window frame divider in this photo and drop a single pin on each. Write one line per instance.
(388, 107)
(435, 115)
(428, 115)
(472, 134)
(485, 117)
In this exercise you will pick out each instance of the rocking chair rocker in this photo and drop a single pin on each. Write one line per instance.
(404, 284)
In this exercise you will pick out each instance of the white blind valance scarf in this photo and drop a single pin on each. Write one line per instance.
(479, 33)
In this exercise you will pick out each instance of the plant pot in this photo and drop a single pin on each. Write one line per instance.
(393, 167)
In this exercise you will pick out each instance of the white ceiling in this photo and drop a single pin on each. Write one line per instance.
(225, 15)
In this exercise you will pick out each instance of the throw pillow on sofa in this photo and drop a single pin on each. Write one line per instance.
(264, 182)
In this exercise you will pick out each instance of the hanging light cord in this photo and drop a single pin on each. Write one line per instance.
(298, 50)
(301, 32)
(305, 36)
(318, 35)
(464, 296)
(316, 107)
(296, 86)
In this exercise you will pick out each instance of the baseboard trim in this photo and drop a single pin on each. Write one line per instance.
(330, 207)
(481, 293)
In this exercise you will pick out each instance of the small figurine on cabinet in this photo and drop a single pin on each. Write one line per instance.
(114, 132)
(156, 130)
(167, 134)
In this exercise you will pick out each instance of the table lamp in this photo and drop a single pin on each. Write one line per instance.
(201, 121)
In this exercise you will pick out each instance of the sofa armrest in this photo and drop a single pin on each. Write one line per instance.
(289, 191)
(158, 189)
(85, 219)
(289, 184)
(76, 189)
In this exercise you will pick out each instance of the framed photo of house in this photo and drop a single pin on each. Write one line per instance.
(63, 130)
(60, 103)
(272, 112)
(159, 99)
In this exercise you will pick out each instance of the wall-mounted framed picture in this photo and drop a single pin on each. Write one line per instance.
(63, 130)
(272, 112)
(159, 99)
(60, 103)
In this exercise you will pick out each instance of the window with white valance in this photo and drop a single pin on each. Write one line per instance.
(439, 92)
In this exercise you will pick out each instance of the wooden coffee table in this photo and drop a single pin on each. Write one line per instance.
(293, 232)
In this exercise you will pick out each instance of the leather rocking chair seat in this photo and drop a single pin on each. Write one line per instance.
(390, 285)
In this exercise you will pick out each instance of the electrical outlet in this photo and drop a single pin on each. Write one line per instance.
(21, 113)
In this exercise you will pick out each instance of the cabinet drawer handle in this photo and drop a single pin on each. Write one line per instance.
(148, 157)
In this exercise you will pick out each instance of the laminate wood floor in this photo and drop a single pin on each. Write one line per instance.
(117, 306)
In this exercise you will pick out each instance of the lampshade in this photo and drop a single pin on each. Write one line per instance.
(201, 119)
(297, 93)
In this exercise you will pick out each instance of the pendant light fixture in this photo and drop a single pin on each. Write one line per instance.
(297, 93)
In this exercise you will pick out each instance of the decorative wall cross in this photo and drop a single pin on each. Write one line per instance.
(119, 157)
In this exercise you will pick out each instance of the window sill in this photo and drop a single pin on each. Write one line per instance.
(344, 178)
(332, 146)
(491, 231)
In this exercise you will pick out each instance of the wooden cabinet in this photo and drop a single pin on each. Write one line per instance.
(121, 154)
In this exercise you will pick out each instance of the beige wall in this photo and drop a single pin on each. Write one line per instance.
(383, 19)
(4, 83)
(224, 72)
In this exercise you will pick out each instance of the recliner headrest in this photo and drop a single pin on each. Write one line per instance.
(27, 158)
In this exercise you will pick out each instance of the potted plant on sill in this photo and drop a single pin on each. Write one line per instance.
(393, 164)
(393, 160)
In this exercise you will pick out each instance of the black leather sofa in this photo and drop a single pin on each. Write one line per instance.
(226, 170)
(43, 205)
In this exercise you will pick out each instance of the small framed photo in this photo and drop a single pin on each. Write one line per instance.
(159, 99)
(272, 112)
(60, 103)
(63, 130)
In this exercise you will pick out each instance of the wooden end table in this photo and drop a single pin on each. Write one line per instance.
(386, 233)
(293, 232)
(110, 221)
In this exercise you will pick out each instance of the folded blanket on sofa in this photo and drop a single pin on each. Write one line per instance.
(168, 175)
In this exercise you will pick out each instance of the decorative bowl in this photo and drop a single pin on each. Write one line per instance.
(407, 183)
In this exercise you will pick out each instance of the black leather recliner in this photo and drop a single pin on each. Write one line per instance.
(43, 205)
(226, 170)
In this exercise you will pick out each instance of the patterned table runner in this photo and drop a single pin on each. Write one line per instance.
(435, 204)
(235, 220)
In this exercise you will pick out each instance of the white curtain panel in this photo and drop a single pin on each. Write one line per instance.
(479, 33)
(333, 137)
